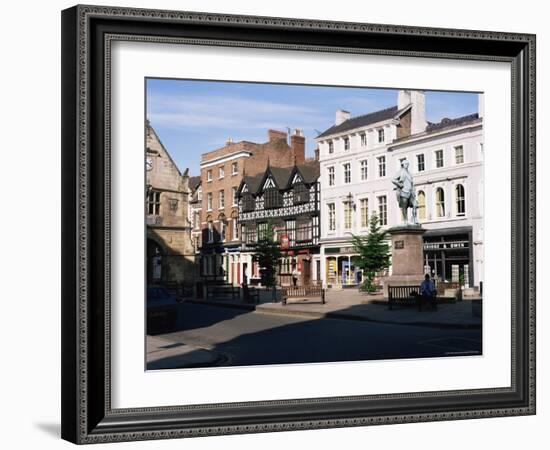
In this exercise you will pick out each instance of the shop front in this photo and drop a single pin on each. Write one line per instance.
(448, 255)
(341, 267)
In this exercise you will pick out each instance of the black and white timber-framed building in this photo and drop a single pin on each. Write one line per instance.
(286, 199)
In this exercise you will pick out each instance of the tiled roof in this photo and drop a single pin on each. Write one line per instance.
(360, 121)
(446, 123)
(194, 182)
(310, 172)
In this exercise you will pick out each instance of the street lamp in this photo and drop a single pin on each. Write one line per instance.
(350, 200)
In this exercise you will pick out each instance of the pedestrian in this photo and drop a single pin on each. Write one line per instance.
(428, 291)
(294, 277)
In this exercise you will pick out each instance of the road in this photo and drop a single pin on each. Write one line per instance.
(251, 338)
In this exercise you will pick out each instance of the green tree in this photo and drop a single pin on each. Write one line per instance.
(267, 254)
(374, 252)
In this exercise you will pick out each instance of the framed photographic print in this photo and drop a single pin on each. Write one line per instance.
(279, 224)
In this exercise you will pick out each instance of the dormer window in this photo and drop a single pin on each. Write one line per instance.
(301, 194)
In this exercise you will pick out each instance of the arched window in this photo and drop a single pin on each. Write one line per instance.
(421, 200)
(440, 202)
(234, 226)
(223, 227)
(460, 200)
(209, 230)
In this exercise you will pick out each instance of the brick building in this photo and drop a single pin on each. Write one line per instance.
(222, 171)
(170, 255)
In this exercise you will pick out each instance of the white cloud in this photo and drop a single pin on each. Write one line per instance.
(227, 112)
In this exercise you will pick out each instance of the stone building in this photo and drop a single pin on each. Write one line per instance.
(222, 171)
(359, 155)
(195, 208)
(170, 254)
(286, 199)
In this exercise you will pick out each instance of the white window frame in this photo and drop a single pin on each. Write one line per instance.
(347, 207)
(463, 214)
(461, 148)
(380, 204)
(210, 226)
(235, 200)
(330, 147)
(209, 175)
(364, 212)
(424, 207)
(221, 172)
(347, 143)
(209, 201)
(418, 162)
(347, 173)
(331, 175)
(364, 169)
(331, 215)
(437, 203)
(221, 199)
(381, 133)
(436, 152)
(234, 169)
(378, 160)
(364, 141)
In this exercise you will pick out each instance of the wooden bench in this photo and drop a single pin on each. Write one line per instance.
(222, 290)
(309, 291)
(408, 296)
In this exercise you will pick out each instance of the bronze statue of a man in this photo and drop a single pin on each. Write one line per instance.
(406, 196)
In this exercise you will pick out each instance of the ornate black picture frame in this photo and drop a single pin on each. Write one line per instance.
(87, 33)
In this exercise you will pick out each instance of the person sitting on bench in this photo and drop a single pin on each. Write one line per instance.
(428, 291)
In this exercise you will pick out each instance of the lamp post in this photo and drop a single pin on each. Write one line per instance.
(350, 200)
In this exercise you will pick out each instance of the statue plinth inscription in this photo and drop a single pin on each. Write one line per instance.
(407, 257)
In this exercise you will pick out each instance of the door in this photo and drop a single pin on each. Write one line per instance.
(306, 272)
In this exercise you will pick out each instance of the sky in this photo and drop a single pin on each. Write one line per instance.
(192, 117)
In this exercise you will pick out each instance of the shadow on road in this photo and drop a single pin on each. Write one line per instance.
(251, 338)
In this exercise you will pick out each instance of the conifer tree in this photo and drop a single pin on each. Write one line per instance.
(374, 252)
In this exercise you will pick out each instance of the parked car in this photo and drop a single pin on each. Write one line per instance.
(162, 310)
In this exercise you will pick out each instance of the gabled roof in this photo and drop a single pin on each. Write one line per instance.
(194, 182)
(282, 176)
(364, 120)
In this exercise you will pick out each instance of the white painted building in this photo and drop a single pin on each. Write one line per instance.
(359, 156)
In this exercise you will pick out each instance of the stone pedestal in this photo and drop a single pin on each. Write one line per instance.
(407, 256)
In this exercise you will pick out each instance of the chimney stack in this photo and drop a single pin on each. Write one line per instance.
(341, 116)
(418, 110)
(298, 146)
(273, 135)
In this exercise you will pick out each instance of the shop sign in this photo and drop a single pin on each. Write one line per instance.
(285, 241)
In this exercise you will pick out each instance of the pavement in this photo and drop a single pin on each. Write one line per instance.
(354, 305)
(167, 352)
